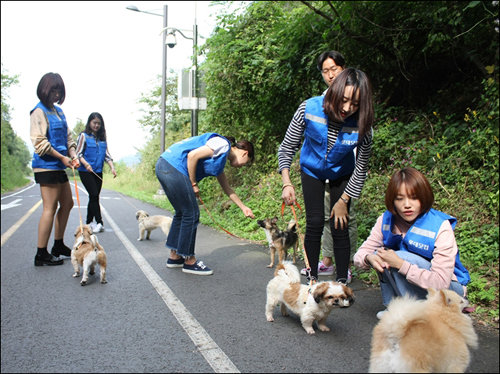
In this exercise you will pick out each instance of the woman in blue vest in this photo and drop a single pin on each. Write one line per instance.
(332, 126)
(92, 151)
(179, 169)
(54, 152)
(414, 243)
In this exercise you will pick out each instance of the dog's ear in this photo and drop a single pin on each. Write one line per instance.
(319, 292)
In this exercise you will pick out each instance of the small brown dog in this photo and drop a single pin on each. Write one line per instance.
(423, 336)
(310, 303)
(279, 240)
(148, 223)
(87, 252)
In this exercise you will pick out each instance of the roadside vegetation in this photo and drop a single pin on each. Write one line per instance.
(434, 69)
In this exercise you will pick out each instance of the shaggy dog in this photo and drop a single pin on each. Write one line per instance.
(279, 240)
(425, 336)
(311, 304)
(148, 223)
(87, 252)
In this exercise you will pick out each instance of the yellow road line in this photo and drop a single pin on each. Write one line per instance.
(14, 227)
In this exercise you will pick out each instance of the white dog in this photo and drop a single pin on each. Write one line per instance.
(87, 252)
(310, 303)
(148, 223)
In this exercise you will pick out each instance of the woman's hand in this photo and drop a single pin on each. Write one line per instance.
(67, 162)
(391, 258)
(288, 194)
(247, 212)
(376, 262)
(340, 213)
(196, 189)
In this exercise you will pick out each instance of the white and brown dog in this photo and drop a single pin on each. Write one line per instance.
(87, 252)
(279, 240)
(310, 303)
(148, 223)
(423, 336)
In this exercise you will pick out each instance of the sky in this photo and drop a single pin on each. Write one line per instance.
(106, 54)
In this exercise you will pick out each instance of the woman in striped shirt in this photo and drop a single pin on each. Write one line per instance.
(332, 126)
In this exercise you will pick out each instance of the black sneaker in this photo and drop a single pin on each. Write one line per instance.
(175, 263)
(198, 268)
(48, 260)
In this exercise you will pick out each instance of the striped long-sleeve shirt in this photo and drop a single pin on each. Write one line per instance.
(292, 142)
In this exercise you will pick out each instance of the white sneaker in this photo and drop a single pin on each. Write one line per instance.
(92, 226)
(380, 314)
(98, 228)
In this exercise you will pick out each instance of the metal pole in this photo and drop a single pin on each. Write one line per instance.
(194, 113)
(164, 79)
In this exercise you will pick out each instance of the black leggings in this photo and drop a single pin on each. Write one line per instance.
(93, 186)
(314, 198)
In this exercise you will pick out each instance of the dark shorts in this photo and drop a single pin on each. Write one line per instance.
(51, 177)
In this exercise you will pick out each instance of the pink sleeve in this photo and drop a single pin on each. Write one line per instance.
(372, 243)
(442, 264)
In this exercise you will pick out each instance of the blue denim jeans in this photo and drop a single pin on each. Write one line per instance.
(406, 287)
(179, 191)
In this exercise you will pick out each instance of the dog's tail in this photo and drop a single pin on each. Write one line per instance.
(292, 225)
(288, 271)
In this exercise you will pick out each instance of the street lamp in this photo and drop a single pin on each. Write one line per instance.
(171, 41)
(164, 68)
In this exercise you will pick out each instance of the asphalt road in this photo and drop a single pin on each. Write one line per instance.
(149, 318)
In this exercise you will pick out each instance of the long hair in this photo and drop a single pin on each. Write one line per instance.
(49, 82)
(101, 133)
(334, 96)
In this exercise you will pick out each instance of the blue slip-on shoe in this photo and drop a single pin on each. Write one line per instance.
(175, 263)
(198, 268)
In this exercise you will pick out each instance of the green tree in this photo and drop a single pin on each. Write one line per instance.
(15, 154)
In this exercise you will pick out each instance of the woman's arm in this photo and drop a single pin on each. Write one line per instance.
(442, 264)
(365, 256)
(192, 161)
(221, 178)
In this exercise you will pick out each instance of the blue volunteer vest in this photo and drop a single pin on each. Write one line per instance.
(95, 152)
(176, 155)
(314, 158)
(57, 135)
(421, 237)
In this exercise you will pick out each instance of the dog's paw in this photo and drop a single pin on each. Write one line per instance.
(104, 281)
(76, 275)
(270, 265)
(270, 318)
(83, 283)
(323, 328)
(139, 239)
(309, 330)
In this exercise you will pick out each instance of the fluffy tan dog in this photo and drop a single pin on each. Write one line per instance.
(87, 252)
(425, 336)
(314, 304)
(148, 223)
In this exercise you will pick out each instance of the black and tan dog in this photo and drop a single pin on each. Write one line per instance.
(280, 240)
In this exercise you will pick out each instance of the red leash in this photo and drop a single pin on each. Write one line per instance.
(213, 220)
(306, 261)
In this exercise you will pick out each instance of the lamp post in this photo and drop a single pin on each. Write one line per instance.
(171, 42)
(163, 71)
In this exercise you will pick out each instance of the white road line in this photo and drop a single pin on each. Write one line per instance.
(215, 357)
